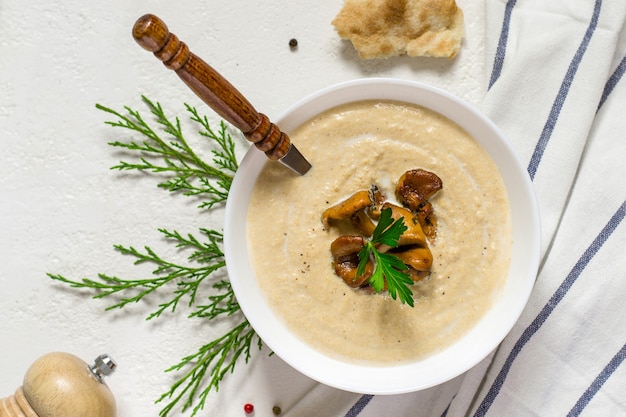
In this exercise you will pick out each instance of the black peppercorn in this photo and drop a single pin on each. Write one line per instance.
(293, 43)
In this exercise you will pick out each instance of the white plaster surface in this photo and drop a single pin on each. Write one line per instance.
(62, 209)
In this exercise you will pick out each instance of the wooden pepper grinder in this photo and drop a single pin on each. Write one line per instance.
(62, 385)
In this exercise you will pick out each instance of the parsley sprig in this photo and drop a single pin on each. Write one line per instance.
(387, 267)
(199, 280)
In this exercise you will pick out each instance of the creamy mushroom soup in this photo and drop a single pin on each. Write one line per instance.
(352, 147)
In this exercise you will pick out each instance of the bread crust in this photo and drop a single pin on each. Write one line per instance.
(386, 28)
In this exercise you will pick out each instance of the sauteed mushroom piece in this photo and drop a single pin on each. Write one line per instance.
(412, 248)
(418, 259)
(416, 186)
(378, 198)
(414, 235)
(356, 209)
(345, 251)
(427, 219)
(363, 223)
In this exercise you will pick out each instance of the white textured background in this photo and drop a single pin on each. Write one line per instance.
(62, 209)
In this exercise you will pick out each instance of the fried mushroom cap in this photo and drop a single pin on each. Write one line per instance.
(426, 217)
(412, 248)
(418, 259)
(378, 198)
(356, 209)
(414, 235)
(345, 252)
(416, 186)
(413, 190)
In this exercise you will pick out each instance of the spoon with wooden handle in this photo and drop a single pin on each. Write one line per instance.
(152, 34)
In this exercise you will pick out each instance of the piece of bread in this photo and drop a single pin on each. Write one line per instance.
(385, 28)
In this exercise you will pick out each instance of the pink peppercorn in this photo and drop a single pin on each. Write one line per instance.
(248, 408)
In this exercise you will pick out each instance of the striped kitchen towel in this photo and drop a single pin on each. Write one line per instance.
(555, 85)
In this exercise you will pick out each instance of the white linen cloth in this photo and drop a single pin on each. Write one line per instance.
(555, 86)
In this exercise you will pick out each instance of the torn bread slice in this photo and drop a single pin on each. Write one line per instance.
(386, 28)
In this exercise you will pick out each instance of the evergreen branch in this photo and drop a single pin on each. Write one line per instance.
(225, 155)
(212, 361)
(185, 171)
(187, 278)
(166, 152)
(223, 303)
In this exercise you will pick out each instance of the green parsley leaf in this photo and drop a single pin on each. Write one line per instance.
(364, 256)
(387, 231)
(387, 266)
(397, 281)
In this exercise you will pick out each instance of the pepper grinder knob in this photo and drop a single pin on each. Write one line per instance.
(104, 365)
(60, 384)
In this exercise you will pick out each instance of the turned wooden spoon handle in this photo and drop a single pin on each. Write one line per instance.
(153, 35)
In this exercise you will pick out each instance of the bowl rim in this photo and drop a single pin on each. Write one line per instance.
(436, 368)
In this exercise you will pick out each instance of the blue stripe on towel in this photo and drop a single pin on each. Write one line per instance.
(562, 94)
(612, 81)
(545, 312)
(501, 49)
(598, 382)
(359, 406)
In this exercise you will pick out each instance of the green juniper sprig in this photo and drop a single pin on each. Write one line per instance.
(189, 173)
(225, 350)
(208, 258)
(199, 282)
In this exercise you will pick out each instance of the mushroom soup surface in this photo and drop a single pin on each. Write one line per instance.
(352, 147)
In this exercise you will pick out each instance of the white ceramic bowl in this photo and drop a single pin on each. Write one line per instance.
(455, 359)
